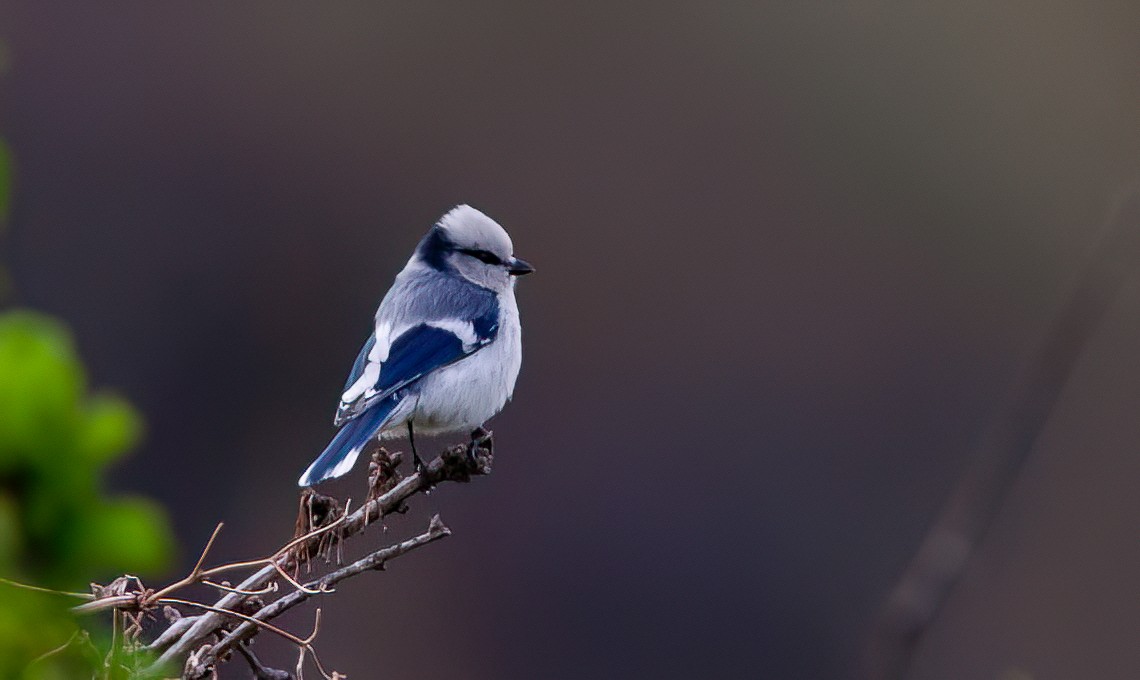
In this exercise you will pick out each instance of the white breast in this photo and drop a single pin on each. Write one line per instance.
(466, 394)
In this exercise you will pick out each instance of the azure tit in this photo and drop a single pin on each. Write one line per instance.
(446, 345)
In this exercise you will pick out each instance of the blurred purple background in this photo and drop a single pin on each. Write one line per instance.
(789, 258)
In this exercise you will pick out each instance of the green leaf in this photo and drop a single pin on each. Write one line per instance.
(123, 536)
(41, 382)
(56, 527)
(110, 428)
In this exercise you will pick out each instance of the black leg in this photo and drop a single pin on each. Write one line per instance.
(419, 464)
(476, 436)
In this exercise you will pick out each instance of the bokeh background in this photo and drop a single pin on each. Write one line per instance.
(789, 255)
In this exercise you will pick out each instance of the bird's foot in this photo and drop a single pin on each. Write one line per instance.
(480, 442)
(480, 439)
(421, 469)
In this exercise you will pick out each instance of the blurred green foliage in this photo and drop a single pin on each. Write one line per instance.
(5, 201)
(5, 182)
(57, 529)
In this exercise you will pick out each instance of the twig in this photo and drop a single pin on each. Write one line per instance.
(48, 591)
(172, 633)
(195, 573)
(60, 649)
(105, 603)
(928, 579)
(260, 671)
(456, 464)
(200, 575)
(271, 588)
(304, 645)
(113, 653)
(322, 524)
(374, 560)
(244, 617)
(279, 553)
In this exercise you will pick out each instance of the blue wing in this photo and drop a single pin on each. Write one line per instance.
(339, 456)
(419, 351)
(416, 352)
(361, 360)
(459, 319)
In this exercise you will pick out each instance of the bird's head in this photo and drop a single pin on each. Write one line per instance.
(474, 246)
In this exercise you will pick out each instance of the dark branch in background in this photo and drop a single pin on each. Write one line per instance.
(974, 503)
(199, 643)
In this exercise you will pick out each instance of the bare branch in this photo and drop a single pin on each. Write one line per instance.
(280, 552)
(322, 525)
(271, 588)
(244, 617)
(105, 603)
(373, 561)
(387, 495)
(190, 578)
(125, 592)
(176, 629)
(49, 591)
(260, 671)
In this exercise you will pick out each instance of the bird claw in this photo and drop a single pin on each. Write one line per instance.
(480, 442)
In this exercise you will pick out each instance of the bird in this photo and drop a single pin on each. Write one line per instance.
(445, 349)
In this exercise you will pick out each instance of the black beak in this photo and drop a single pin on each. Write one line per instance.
(520, 267)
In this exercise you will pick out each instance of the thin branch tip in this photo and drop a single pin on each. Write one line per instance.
(436, 528)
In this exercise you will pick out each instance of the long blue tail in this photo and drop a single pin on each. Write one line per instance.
(339, 456)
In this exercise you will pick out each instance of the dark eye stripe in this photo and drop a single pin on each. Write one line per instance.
(482, 255)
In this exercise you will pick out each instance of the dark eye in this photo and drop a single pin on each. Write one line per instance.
(482, 255)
